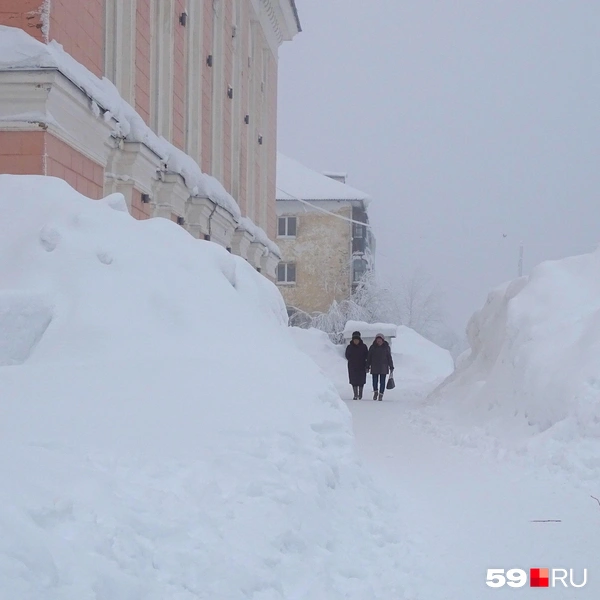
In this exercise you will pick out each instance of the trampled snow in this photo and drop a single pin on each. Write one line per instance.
(162, 436)
(531, 380)
(418, 363)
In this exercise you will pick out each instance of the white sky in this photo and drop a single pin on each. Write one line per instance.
(465, 120)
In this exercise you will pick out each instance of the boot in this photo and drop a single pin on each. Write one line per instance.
(360, 392)
(375, 394)
(355, 390)
(380, 396)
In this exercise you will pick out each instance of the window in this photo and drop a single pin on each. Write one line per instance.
(358, 245)
(359, 268)
(286, 273)
(286, 227)
(359, 231)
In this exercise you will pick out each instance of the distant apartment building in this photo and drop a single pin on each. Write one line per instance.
(187, 131)
(323, 232)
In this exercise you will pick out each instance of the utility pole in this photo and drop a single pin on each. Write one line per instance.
(521, 259)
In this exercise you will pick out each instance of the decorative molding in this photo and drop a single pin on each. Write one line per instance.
(48, 97)
(120, 46)
(170, 194)
(240, 242)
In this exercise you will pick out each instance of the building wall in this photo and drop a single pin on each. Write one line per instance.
(179, 76)
(80, 172)
(161, 70)
(321, 252)
(207, 89)
(79, 27)
(40, 153)
(28, 15)
(142, 59)
(22, 152)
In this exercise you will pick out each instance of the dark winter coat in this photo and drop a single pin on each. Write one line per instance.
(379, 359)
(356, 355)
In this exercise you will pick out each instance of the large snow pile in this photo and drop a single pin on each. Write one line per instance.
(417, 360)
(18, 51)
(326, 355)
(531, 380)
(161, 435)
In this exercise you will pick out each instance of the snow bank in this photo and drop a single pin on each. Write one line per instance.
(18, 50)
(161, 435)
(532, 378)
(327, 356)
(418, 360)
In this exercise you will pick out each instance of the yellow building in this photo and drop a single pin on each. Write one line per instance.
(324, 236)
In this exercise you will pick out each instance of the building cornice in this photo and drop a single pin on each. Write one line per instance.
(279, 21)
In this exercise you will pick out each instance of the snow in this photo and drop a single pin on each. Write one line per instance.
(18, 50)
(294, 180)
(419, 364)
(466, 510)
(370, 330)
(419, 360)
(259, 235)
(162, 435)
(530, 383)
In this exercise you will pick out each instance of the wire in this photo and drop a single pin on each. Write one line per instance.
(327, 212)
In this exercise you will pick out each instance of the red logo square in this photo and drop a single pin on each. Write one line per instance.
(539, 577)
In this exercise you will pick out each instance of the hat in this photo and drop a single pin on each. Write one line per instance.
(356, 335)
(381, 336)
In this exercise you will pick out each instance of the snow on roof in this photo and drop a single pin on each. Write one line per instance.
(370, 330)
(18, 50)
(295, 180)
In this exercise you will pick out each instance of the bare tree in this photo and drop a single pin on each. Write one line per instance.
(420, 303)
(416, 302)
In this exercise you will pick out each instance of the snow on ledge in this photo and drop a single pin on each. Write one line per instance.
(18, 50)
(259, 235)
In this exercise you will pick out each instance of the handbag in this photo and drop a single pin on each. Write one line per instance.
(391, 384)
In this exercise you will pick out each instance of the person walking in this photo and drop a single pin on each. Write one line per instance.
(380, 363)
(356, 355)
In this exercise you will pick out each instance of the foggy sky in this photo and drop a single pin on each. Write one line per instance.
(464, 119)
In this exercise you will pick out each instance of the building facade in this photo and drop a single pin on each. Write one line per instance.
(185, 127)
(323, 231)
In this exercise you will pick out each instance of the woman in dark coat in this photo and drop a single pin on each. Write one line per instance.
(380, 362)
(356, 355)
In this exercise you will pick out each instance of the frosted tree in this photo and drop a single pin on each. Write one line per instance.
(420, 304)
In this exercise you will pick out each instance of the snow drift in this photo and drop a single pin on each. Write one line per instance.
(531, 379)
(161, 435)
(418, 360)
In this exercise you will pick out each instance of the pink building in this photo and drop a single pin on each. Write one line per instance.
(195, 94)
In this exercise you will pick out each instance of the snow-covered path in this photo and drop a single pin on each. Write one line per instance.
(471, 512)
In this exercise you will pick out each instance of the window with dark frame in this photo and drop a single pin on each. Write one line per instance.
(286, 273)
(286, 226)
(359, 231)
(359, 268)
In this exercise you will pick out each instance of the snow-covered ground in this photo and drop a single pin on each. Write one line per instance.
(165, 435)
(161, 434)
(468, 509)
(418, 363)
